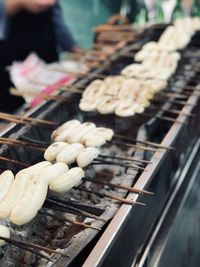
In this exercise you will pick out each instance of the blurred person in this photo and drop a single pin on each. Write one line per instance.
(29, 26)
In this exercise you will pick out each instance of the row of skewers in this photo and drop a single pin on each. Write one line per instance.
(131, 93)
(64, 153)
(30, 186)
(119, 95)
(128, 96)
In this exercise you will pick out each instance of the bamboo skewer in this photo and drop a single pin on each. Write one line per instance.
(182, 113)
(63, 70)
(164, 118)
(183, 87)
(40, 95)
(76, 87)
(118, 28)
(24, 143)
(84, 225)
(14, 162)
(29, 119)
(34, 142)
(119, 186)
(71, 89)
(178, 102)
(173, 95)
(85, 207)
(141, 142)
(126, 158)
(23, 120)
(64, 206)
(188, 92)
(173, 111)
(121, 199)
(30, 245)
(17, 144)
(134, 146)
(37, 253)
(12, 120)
(106, 162)
(96, 75)
(79, 74)
(195, 79)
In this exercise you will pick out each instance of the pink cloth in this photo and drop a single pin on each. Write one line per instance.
(50, 89)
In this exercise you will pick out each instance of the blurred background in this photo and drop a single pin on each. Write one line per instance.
(83, 16)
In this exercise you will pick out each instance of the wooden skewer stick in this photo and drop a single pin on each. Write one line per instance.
(178, 102)
(63, 70)
(71, 89)
(78, 88)
(126, 158)
(10, 143)
(173, 111)
(35, 142)
(29, 119)
(16, 119)
(94, 75)
(99, 161)
(195, 78)
(109, 27)
(41, 95)
(84, 225)
(103, 53)
(26, 244)
(184, 87)
(79, 74)
(173, 95)
(86, 207)
(92, 64)
(142, 142)
(134, 146)
(13, 243)
(182, 113)
(24, 143)
(121, 199)
(11, 119)
(67, 206)
(179, 87)
(164, 118)
(187, 78)
(14, 162)
(188, 92)
(19, 121)
(128, 55)
(120, 186)
(98, 75)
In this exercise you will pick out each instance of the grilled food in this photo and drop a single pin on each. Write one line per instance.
(4, 232)
(87, 156)
(34, 196)
(67, 181)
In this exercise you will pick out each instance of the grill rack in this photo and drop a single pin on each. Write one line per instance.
(142, 132)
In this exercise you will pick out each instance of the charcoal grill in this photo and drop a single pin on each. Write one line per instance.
(127, 231)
